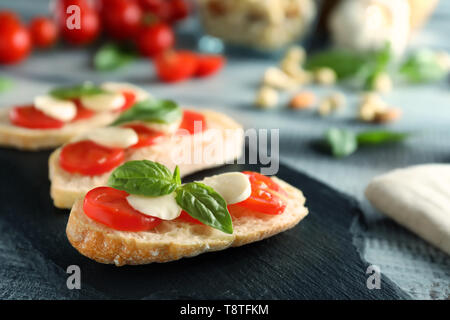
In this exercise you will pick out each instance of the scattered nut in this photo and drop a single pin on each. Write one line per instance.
(325, 76)
(276, 78)
(295, 54)
(338, 100)
(372, 98)
(443, 59)
(325, 107)
(383, 83)
(266, 98)
(303, 100)
(389, 115)
(368, 112)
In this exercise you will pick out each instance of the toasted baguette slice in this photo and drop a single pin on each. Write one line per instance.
(66, 187)
(37, 139)
(172, 240)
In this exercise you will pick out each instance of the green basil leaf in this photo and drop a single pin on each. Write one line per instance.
(380, 137)
(422, 66)
(5, 84)
(341, 142)
(346, 64)
(144, 177)
(151, 110)
(111, 56)
(77, 91)
(206, 205)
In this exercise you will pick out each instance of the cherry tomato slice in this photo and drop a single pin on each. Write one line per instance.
(209, 64)
(32, 118)
(82, 112)
(146, 136)
(193, 122)
(264, 197)
(110, 207)
(185, 217)
(88, 158)
(130, 100)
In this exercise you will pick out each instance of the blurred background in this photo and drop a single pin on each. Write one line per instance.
(315, 70)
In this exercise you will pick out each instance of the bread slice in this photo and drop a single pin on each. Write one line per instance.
(222, 145)
(38, 139)
(172, 240)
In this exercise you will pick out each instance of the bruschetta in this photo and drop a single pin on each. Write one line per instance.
(146, 215)
(65, 112)
(154, 130)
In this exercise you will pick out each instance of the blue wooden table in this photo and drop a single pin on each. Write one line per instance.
(418, 268)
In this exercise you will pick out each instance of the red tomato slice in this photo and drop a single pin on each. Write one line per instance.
(130, 100)
(88, 158)
(32, 118)
(185, 217)
(82, 112)
(146, 136)
(190, 119)
(110, 207)
(264, 197)
(209, 64)
(175, 66)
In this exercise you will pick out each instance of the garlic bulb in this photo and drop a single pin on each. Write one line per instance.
(367, 25)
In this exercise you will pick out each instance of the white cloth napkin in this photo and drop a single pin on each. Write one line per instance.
(418, 198)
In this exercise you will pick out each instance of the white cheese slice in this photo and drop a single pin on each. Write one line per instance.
(112, 137)
(163, 207)
(108, 101)
(418, 198)
(140, 93)
(234, 187)
(63, 110)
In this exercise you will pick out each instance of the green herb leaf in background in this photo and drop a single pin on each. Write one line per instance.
(145, 178)
(77, 91)
(111, 56)
(422, 66)
(380, 137)
(152, 110)
(5, 84)
(342, 142)
(206, 205)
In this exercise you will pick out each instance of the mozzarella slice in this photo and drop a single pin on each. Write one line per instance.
(123, 86)
(163, 207)
(107, 101)
(113, 137)
(63, 110)
(234, 187)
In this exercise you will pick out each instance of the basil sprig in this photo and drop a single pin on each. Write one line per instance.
(152, 179)
(151, 110)
(77, 91)
(206, 205)
(145, 178)
(421, 67)
(342, 142)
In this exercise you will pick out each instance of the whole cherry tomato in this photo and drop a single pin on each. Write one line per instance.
(89, 158)
(8, 17)
(78, 21)
(15, 41)
(155, 39)
(175, 66)
(44, 32)
(166, 10)
(121, 18)
(110, 207)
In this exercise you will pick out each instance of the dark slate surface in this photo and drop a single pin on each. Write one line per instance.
(314, 260)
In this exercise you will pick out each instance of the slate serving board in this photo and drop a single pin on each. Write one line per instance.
(314, 260)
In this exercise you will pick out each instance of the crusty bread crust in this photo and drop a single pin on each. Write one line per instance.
(173, 240)
(66, 187)
(38, 139)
